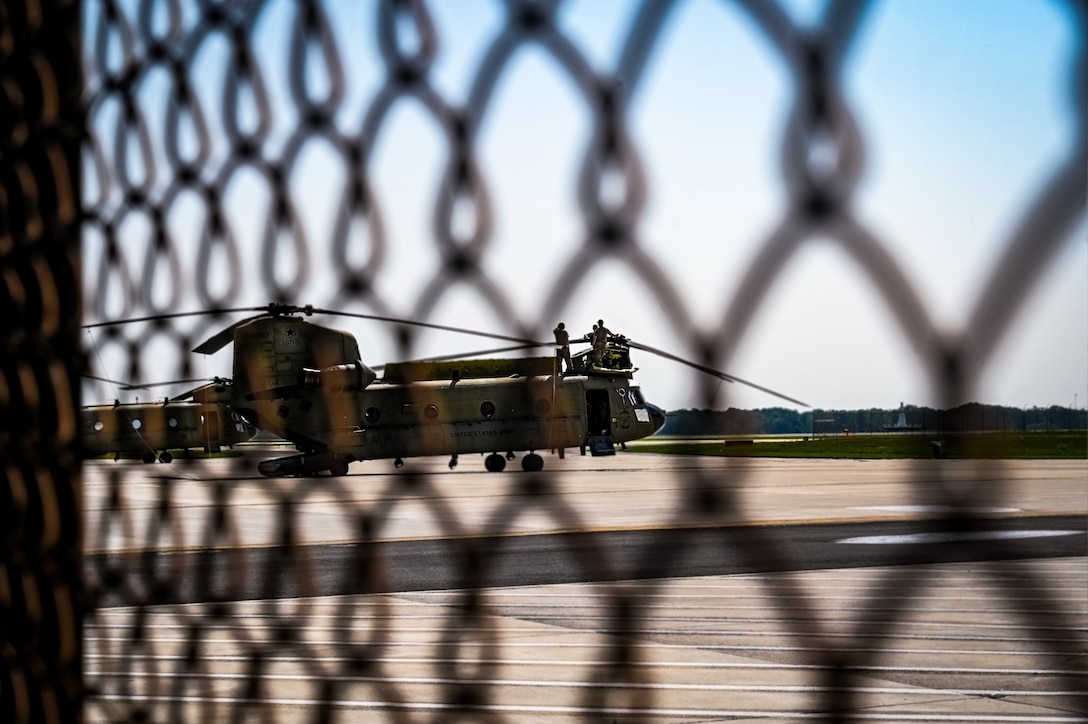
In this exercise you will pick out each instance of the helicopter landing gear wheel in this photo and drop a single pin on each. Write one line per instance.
(398, 463)
(338, 468)
(532, 463)
(148, 458)
(165, 457)
(494, 463)
(453, 462)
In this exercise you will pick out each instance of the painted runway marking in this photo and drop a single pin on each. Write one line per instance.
(940, 509)
(943, 537)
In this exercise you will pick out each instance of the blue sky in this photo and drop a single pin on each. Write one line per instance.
(962, 107)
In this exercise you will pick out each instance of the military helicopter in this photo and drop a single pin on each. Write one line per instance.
(201, 417)
(307, 383)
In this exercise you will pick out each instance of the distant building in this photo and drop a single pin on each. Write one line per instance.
(901, 425)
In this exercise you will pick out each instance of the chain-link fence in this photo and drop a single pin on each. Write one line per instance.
(180, 109)
(41, 580)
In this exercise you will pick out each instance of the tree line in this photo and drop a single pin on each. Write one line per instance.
(971, 417)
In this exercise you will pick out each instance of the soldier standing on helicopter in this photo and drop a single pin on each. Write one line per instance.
(562, 352)
(600, 339)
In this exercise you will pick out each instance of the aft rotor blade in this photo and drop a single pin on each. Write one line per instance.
(173, 315)
(429, 325)
(165, 383)
(101, 379)
(226, 336)
(220, 339)
(214, 344)
(713, 372)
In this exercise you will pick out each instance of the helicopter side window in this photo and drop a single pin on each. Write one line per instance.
(136, 424)
(98, 425)
(172, 422)
(372, 415)
(543, 407)
(487, 409)
(430, 412)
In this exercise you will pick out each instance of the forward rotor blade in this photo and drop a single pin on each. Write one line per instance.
(192, 393)
(468, 355)
(713, 372)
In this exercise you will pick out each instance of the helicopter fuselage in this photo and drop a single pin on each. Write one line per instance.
(306, 383)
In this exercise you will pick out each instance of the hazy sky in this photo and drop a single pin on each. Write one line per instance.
(963, 113)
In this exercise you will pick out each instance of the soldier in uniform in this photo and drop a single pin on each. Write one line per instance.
(562, 352)
(600, 339)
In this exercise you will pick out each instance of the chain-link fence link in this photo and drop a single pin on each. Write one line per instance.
(158, 146)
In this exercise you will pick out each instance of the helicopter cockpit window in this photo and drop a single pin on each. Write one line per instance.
(136, 424)
(98, 425)
(372, 415)
(636, 397)
(487, 409)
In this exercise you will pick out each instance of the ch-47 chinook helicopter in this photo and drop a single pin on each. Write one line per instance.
(201, 417)
(306, 383)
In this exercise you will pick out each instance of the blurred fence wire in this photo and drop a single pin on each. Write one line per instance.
(105, 143)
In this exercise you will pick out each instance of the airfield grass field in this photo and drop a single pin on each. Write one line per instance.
(978, 446)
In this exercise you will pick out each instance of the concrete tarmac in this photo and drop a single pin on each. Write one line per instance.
(980, 641)
(631, 490)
